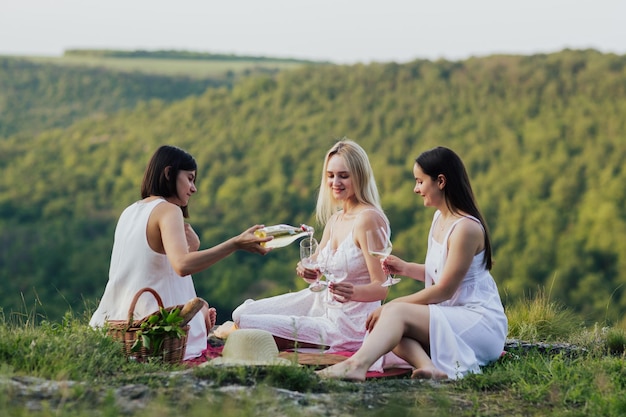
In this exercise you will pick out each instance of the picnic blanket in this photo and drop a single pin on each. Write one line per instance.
(318, 360)
(321, 360)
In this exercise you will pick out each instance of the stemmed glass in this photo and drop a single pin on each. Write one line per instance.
(308, 257)
(379, 245)
(336, 269)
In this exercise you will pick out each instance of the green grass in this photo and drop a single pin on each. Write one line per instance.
(69, 350)
(591, 381)
(538, 318)
(170, 67)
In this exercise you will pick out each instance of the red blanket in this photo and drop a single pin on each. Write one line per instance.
(214, 352)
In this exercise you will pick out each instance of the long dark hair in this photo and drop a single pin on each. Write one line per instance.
(156, 183)
(458, 190)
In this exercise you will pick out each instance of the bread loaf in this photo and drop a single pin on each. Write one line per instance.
(190, 309)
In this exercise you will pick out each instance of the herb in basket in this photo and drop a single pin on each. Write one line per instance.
(158, 327)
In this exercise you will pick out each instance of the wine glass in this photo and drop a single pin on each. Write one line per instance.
(308, 257)
(336, 269)
(379, 245)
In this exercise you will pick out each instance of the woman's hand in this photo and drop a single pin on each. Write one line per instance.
(372, 319)
(250, 242)
(393, 265)
(307, 274)
(342, 291)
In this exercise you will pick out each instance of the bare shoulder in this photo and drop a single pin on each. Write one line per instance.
(469, 233)
(166, 210)
(368, 219)
(470, 227)
(371, 218)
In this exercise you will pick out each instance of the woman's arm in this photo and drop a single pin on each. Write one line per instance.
(169, 221)
(374, 291)
(465, 241)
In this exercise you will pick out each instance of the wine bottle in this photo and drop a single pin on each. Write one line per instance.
(284, 234)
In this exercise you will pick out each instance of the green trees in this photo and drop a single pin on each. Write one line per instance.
(542, 137)
(34, 97)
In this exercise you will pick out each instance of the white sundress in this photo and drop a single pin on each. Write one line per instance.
(135, 265)
(467, 331)
(303, 315)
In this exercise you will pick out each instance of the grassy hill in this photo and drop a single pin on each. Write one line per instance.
(43, 375)
(38, 92)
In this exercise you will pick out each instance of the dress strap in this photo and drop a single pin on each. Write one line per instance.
(467, 216)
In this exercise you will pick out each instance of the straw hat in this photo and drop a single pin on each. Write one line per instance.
(250, 347)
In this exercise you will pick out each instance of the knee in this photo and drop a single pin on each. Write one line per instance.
(400, 312)
(237, 314)
(393, 309)
(241, 310)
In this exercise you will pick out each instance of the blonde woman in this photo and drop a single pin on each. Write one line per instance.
(348, 205)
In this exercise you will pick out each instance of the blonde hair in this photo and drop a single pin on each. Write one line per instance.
(361, 173)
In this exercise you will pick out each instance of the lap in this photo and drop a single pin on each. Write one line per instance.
(414, 317)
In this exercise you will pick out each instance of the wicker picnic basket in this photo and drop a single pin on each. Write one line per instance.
(172, 349)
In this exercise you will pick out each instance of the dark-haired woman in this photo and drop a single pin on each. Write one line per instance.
(456, 324)
(154, 247)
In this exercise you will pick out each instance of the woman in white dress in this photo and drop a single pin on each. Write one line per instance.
(456, 323)
(348, 205)
(154, 247)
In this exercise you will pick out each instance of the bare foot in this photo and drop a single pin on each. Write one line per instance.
(210, 316)
(343, 370)
(429, 373)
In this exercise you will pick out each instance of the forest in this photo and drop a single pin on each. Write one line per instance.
(543, 138)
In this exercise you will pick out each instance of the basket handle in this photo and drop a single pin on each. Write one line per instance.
(133, 303)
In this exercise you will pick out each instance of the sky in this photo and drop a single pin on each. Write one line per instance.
(340, 31)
